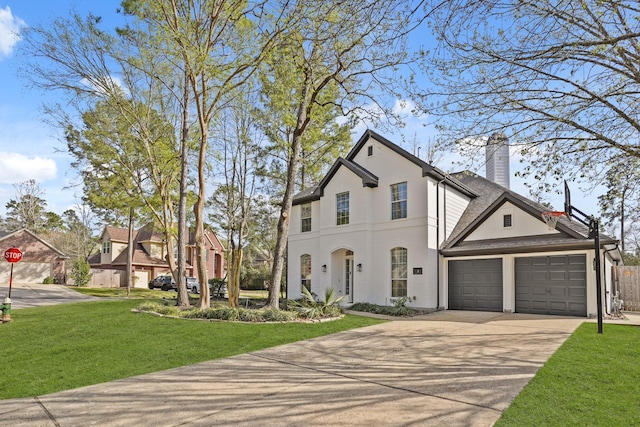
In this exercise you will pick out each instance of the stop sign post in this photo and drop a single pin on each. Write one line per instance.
(12, 255)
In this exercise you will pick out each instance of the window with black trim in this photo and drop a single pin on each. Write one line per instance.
(399, 200)
(342, 208)
(507, 221)
(370, 150)
(305, 218)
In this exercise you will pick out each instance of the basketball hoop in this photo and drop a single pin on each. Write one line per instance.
(551, 218)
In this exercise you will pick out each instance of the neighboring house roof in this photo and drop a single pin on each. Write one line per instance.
(148, 233)
(9, 236)
(140, 257)
(369, 179)
(573, 235)
(117, 234)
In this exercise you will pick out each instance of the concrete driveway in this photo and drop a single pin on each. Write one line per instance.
(448, 368)
(24, 295)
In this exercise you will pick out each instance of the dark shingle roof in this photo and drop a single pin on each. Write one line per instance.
(492, 196)
(371, 180)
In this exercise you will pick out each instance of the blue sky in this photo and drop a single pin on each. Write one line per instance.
(30, 149)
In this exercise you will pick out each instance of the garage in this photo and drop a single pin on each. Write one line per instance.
(25, 272)
(475, 284)
(551, 285)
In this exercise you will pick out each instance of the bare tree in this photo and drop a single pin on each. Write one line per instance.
(28, 209)
(560, 78)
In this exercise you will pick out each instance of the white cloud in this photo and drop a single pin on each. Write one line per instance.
(10, 27)
(15, 168)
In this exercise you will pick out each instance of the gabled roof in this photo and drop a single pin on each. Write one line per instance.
(314, 193)
(427, 169)
(140, 257)
(117, 234)
(8, 236)
(492, 196)
(371, 180)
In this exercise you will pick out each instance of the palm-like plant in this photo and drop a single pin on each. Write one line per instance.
(311, 308)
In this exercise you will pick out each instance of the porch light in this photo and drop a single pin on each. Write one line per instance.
(324, 268)
(359, 267)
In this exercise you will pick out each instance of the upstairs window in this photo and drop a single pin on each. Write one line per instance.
(106, 247)
(305, 221)
(342, 208)
(399, 200)
(507, 221)
(370, 150)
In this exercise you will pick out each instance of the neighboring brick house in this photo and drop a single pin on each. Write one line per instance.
(39, 259)
(150, 251)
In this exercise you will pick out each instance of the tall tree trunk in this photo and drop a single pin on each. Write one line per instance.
(198, 210)
(287, 200)
(283, 225)
(130, 273)
(234, 277)
(622, 218)
(183, 297)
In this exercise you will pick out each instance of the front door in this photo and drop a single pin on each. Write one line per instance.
(348, 278)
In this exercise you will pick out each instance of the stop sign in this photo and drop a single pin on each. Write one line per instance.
(13, 255)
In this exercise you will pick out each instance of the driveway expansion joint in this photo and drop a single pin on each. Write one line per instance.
(46, 411)
(407, 390)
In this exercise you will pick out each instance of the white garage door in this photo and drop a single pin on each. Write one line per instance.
(25, 272)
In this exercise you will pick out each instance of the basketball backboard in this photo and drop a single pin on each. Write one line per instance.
(567, 200)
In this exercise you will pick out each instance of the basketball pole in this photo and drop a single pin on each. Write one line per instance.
(594, 233)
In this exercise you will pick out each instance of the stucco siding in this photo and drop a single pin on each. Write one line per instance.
(370, 235)
(523, 224)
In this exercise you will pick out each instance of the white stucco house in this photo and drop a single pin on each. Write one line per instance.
(384, 224)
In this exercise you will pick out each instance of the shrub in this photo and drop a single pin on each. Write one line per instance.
(271, 315)
(398, 308)
(81, 272)
(250, 315)
(47, 280)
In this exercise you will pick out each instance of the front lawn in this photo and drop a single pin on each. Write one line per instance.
(54, 348)
(592, 380)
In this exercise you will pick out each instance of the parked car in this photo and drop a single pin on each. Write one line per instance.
(193, 285)
(163, 282)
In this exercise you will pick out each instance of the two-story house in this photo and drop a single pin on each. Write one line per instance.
(383, 224)
(150, 253)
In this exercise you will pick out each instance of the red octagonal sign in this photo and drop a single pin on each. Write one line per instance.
(13, 254)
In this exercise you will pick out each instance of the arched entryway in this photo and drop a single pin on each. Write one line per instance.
(342, 273)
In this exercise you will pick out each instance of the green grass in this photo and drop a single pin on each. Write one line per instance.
(54, 348)
(136, 293)
(592, 380)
